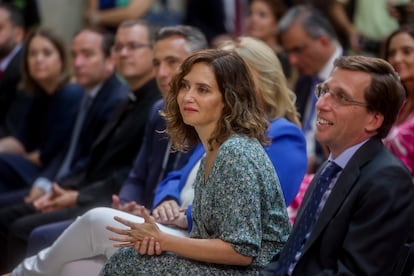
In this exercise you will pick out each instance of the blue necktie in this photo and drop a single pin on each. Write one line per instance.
(307, 220)
(67, 161)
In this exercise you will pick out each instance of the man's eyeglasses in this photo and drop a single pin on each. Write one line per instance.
(130, 46)
(297, 50)
(338, 98)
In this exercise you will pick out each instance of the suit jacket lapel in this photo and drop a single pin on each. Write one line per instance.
(343, 186)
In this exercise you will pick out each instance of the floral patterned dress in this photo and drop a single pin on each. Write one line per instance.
(400, 141)
(241, 203)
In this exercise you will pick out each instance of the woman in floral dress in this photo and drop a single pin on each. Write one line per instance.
(239, 217)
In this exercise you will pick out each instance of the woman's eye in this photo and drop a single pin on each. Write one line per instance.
(203, 90)
(184, 85)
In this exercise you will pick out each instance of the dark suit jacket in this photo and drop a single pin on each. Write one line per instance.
(302, 91)
(13, 102)
(45, 127)
(115, 149)
(111, 158)
(147, 171)
(109, 96)
(365, 221)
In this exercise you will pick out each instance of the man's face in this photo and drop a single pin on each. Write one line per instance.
(89, 62)
(133, 53)
(308, 55)
(169, 53)
(9, 35)
(342, 126)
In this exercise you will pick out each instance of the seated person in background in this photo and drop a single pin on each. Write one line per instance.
(13, 101)
(110, 13)
(111, 157)
(171, 46)
(357, 213)
(94, 71)
(50, 117)
(399, 51)
(286, 151)
(240, 218)
(262, 24)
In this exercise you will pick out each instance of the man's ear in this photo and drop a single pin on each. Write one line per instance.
(375, 122)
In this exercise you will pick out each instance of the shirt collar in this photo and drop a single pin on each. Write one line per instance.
(343, 159)
(5, 62)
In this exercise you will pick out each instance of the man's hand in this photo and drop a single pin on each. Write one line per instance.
(34, 194)
(169, 213)
(58, 199)
(130, 207)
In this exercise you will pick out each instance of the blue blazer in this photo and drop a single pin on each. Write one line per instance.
(287, 151)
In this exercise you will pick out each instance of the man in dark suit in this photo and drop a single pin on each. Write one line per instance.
(155, 159)
(111, 156)
(311, 45)
(13, 102)
(95, 71)
(355, 221)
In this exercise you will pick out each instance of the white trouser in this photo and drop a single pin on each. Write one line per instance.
(86, 237)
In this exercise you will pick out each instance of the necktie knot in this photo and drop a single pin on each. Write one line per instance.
(331, 170)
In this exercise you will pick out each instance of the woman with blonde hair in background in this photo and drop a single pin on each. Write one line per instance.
(278, 102)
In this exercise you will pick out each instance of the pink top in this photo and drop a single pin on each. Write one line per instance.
(400, 141)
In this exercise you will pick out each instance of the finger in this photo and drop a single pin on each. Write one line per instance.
(118, 231)
(123, 239)
(151, 246)
(115, 202)
(137, 246)
(156, 213)
(119, 245)
(143, 249)
(169, 211)
(162, 214)
(124, 221)
(158, 250)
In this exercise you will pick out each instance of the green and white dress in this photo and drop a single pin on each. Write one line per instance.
(241, 203)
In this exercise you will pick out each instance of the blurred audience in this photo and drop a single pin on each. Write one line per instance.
(403, 11)
(370, 25)
(94, 71)
(50, 117)
(217, 19)
(310, 43)
(399, 51)
(111, 156)
(262, 24)
(110, 13)
(29, 10)
(13, 101)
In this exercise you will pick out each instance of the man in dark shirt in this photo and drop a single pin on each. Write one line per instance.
(111, 156)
